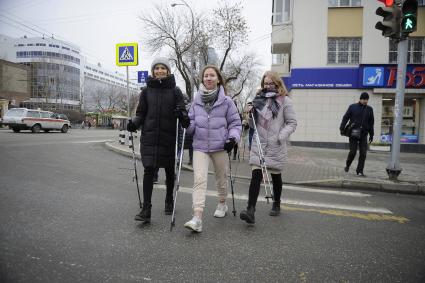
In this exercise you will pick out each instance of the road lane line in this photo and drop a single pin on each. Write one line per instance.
(325, 191)
(364, 216)
(320, 191)
(298, 202)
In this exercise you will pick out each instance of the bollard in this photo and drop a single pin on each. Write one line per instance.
(122, 137)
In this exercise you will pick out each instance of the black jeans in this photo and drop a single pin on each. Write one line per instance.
(148, 183)
(362, 145)
(254, 187)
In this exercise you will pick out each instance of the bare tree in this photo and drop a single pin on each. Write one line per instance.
(225, 30)
(177, 33)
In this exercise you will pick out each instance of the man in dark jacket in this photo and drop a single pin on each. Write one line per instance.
(361, 115)
(157, 101)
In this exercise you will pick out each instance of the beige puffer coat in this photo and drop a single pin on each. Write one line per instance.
(273, 134)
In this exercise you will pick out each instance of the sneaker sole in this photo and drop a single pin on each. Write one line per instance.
(193, 229)
(219, 216)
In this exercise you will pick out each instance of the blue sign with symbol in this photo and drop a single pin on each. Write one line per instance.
(373, 76)
(141, 76)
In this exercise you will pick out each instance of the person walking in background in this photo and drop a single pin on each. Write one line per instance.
(216, 127)
(275, 120)
(360, 118)
(157, 101)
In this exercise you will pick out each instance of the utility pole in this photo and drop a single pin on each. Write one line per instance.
(192, 53)
(399, 20)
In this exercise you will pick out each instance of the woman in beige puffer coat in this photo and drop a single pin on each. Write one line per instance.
(275, 120)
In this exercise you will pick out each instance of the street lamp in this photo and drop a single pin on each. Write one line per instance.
(192, 59)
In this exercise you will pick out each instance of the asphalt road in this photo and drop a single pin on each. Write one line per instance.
(67, 205)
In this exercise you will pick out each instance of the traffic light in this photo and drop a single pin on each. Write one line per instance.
(388, 3)
(409, 11)
(390, 24)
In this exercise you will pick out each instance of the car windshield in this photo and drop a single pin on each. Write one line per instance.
(15, 113)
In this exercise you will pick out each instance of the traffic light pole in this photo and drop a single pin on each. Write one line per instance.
(393, 168)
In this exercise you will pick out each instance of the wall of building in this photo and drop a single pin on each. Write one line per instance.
(320, 111)
(309, 47)
(14, 81)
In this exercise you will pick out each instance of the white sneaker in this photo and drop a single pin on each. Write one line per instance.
(221, 210)
(194, 224)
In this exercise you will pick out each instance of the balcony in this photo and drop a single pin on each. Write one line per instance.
(281, 38)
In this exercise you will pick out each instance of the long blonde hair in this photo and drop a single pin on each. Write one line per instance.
(274, 76)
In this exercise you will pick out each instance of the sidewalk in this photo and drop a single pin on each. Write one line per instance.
(325, 168)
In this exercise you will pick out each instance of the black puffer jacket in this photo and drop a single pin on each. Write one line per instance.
(362, 116)
(155, 115)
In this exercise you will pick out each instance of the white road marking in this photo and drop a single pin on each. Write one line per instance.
(320, 191)
(325, 191)
(297, 202)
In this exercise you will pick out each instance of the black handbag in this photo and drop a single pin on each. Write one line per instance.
(355, 133)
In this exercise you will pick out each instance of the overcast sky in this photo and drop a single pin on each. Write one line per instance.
(97, 25)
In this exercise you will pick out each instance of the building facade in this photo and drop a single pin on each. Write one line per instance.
(328, 52)
(60, 78)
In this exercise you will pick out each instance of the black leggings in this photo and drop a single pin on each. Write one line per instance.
(148, 183)
(254, 187)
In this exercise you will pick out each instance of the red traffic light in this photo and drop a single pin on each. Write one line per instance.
(387, 3)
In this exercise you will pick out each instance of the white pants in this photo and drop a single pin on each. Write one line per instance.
(201, 161)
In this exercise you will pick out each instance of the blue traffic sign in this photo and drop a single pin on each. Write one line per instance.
(126, 54)
(141, 76)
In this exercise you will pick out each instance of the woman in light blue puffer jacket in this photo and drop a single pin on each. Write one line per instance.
(216, 127)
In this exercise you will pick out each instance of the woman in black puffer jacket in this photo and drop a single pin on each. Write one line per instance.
(160, 105)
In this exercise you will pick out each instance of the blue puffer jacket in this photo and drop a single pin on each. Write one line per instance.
(210, 131)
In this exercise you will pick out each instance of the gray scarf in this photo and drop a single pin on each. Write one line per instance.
(208, 97)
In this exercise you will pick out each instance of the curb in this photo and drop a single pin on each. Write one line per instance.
(400, 187)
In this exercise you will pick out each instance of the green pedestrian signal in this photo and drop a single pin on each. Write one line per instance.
(409, 10)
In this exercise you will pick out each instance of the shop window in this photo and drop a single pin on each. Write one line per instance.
(344, 50)
(410, 126)
(415, 50)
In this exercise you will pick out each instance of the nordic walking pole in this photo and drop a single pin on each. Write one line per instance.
(266, 179)
(231, 185)
(135, 169)
(177, 184)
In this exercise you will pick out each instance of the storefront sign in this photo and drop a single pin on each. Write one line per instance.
(404, 138)
(385, 76)
(365, 76)
(323, 78)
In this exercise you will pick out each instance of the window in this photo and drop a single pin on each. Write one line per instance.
(344, 50)
(344, 3)
(30, 44)
(421, 2)
(45, 114)
(415, 50)
(20, 45)
(281, 11)
(33, 114)
(278, 59)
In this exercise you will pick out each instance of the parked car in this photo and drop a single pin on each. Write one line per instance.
(35, 120)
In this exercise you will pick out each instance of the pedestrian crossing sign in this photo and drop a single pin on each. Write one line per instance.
(126, 54)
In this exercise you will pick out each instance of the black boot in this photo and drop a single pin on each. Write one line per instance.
(145, 213)
(168, 210)
(248, 215)
(275, 211)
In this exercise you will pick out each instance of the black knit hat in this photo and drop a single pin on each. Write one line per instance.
(364, 95)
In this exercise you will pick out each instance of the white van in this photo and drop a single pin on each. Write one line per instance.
(35, 120)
